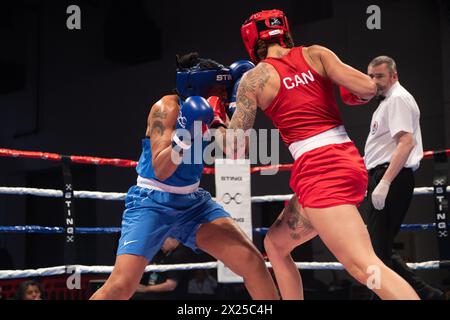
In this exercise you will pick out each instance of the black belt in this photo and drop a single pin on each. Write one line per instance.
(382, 167)
(379, 167)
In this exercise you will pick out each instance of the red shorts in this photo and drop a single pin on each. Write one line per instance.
(329, 176)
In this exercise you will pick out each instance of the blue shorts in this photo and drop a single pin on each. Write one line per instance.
(151, 216)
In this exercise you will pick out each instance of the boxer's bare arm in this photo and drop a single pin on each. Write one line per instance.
(160, 126)
(246, 104)
(342, 74)
(249, 93)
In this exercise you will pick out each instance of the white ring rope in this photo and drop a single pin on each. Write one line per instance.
(13, 274)
(52, 193)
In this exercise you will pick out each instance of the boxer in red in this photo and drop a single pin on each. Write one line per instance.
(294, 86)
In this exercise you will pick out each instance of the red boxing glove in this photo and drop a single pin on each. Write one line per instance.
(350, 98)
(220, 115)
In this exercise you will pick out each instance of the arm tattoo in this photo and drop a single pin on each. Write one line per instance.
(159, 114)
(243, 118)
(263, 74)
(252, 83)
(157, 128)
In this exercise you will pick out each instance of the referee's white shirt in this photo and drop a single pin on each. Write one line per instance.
(397, 112)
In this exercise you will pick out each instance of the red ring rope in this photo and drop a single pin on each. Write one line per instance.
(131, 163)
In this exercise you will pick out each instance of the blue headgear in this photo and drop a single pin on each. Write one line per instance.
(195, 81)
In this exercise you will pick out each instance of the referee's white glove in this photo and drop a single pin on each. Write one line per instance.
(380, 193)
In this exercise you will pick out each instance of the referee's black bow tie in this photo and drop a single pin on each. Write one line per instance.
(379, 98)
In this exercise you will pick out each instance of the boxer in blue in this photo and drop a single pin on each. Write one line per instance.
(167, 200)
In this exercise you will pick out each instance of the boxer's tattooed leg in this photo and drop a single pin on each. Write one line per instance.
(292, 220)
(304, 223)
(296, 236)
(296, 222)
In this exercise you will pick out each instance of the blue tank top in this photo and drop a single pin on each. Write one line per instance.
(184, 175)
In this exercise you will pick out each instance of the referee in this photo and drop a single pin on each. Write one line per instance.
(393, 152)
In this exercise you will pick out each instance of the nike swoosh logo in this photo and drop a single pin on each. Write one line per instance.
(128, 242)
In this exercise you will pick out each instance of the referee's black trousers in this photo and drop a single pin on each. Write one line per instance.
(383, 226)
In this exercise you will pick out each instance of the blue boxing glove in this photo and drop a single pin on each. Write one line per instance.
(193, 110)
(237, 70)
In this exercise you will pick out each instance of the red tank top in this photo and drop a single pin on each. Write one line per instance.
(305, 104)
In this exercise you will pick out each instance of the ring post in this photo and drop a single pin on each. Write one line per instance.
(233, 192)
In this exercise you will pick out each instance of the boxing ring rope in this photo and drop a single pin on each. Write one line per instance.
(106, 230)
(53, 193)
(12, 274)
(121, 196)
(130, 163)
(81, 269)
(75, 159)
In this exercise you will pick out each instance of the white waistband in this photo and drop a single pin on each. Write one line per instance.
(156, 185)
(333, 136)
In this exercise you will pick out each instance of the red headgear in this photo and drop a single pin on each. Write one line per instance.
(265, 25)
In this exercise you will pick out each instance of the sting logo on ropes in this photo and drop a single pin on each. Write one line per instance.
(441, 208)
(68, 198)
(440, 183)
